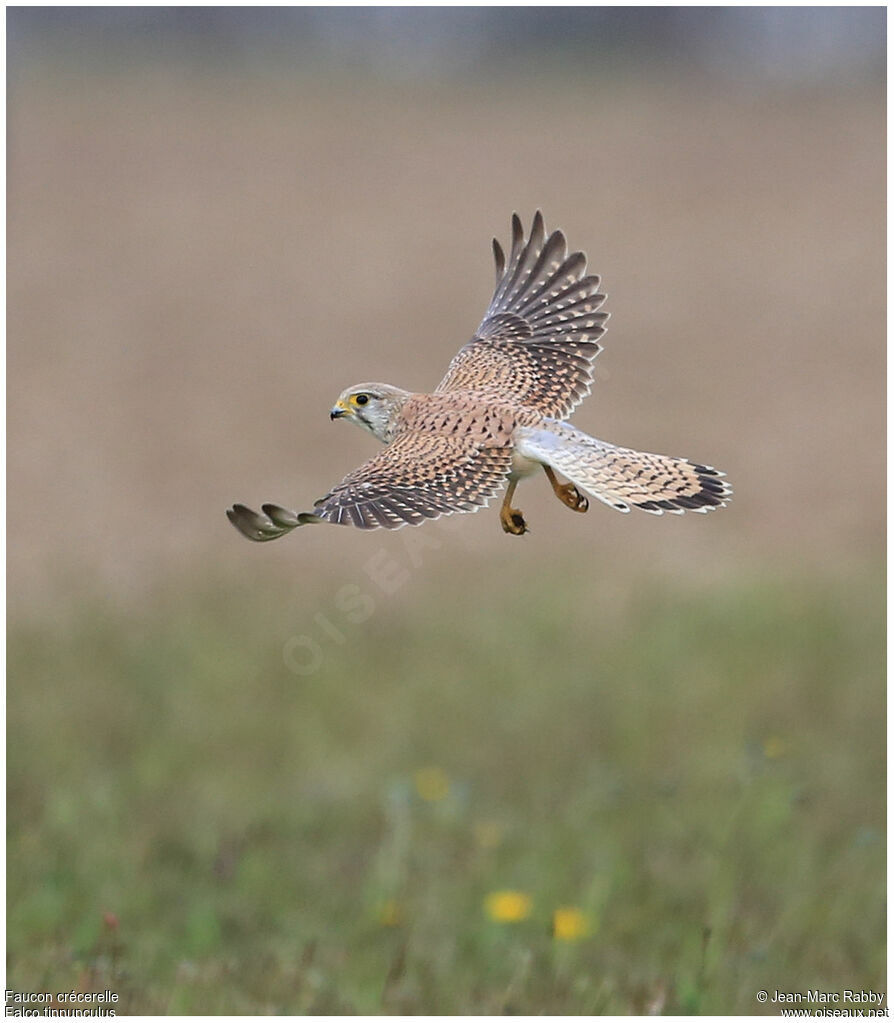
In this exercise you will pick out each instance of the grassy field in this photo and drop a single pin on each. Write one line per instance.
(641, 766)
(208, 813)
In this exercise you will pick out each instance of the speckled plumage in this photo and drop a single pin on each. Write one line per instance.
(497, 414)
(538, 339)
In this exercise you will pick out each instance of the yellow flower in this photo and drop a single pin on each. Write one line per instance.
(774, 747)
(508, 907)
(391, 913)
(570, 924)
(432, 784)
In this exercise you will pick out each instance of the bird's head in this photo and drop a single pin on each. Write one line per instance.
(373, 407)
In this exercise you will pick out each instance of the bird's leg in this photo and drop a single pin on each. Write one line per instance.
(511, 518)
(567, 493)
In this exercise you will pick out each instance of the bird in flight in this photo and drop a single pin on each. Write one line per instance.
(500, 414)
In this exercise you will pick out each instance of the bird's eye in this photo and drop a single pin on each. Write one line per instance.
(361, 399)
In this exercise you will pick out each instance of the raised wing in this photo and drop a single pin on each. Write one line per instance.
(416, 477)
(538, 339)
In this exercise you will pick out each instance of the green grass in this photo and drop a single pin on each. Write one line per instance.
(699, 771)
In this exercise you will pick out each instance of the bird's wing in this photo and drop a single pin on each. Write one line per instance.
(418, 476)
(538, 339)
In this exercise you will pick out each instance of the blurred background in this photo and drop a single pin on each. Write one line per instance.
(624, 764)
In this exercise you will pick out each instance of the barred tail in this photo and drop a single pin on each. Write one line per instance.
(621, 477)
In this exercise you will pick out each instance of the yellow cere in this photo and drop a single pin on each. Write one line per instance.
(508, 907)
(570, 924)
(432, 784)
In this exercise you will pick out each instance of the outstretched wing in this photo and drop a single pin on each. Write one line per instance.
(417, 477)
(538, 339)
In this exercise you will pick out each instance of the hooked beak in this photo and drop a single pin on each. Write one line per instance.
(338, 410)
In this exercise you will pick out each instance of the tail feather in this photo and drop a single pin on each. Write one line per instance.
(623, 478)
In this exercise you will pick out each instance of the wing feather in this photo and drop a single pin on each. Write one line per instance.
(539, 337)
(418, 476)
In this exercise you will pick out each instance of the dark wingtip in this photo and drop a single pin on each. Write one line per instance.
(281, 517)
(558, 241)
(238, 513)
(242, 518)
(252, 525)
(499, 259)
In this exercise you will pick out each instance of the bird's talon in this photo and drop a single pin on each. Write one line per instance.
(570, 496)
(514, 522)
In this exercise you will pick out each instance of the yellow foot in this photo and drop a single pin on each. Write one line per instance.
(511, 518)
(513, 521)
(567, 493)
(572, 497)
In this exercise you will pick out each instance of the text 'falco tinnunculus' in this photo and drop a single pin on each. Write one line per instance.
(499, 413)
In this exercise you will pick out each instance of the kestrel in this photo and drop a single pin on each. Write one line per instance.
(499, 414)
